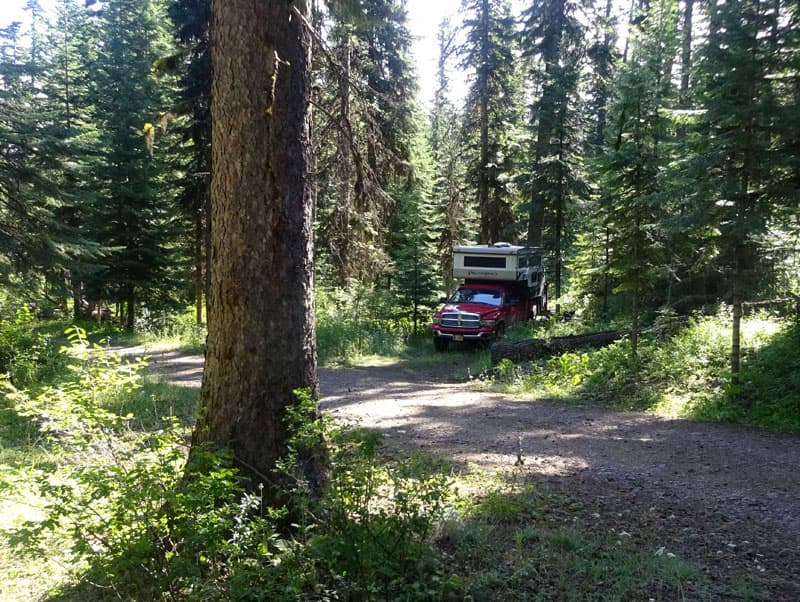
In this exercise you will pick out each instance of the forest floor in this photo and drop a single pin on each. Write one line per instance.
(723, 497)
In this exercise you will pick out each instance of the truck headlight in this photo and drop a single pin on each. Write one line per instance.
(488, 322)
(436, 320)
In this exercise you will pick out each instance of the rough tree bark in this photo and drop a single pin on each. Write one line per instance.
(260, 345)
(198, 267)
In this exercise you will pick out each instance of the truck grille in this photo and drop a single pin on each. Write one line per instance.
(460, 320)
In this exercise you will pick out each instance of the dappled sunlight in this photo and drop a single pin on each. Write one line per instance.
(178, 368)
(368, 361)
(471, 426)
(769, 387)
(550, 439)
(21, 506)
(758, 330)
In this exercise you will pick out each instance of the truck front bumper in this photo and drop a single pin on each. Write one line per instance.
(454, 335)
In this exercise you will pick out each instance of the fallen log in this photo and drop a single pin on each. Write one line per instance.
(792, 301)
(531, 349)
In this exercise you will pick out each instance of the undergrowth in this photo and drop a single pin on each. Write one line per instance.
(114, 495)
(28, 355)
(99, 503)
(358, 322)
(679, 370)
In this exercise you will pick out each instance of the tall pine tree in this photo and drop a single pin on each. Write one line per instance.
(365, 119)
(132, 213)
(493, 113)
(553, 37)
(39, 166)
(744, 167)
(192, 22)
(450, 195)
(634, 171)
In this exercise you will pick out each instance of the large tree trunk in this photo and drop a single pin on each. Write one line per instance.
(198, 268)
(207, 245)
(260, 346)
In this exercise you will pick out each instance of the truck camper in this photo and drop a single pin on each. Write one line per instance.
(502, 285)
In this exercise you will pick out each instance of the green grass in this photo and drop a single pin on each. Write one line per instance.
(523, 561)
(511, 541)
(352, 340)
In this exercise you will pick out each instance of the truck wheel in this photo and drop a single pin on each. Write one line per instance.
(500, 331)
(441, 344)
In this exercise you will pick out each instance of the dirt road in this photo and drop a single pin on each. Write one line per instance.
(723, 496)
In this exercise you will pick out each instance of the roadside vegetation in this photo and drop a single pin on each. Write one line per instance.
(681, 369)
(95, 504)
(362, 326)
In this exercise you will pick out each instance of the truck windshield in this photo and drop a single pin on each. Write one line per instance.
(477, 295)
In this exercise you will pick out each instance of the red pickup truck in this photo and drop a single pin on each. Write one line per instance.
(480, 311)
(503, 285)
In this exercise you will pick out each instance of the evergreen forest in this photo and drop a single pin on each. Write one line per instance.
(652, 152)
(659, 174)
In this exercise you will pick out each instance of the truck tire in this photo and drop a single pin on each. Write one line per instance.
(440, 344)
(500, 331)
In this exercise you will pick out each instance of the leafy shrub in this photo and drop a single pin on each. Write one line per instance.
(572, 366)
(150, 526)
(27, 356)
(147, 526)
(379, 519)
